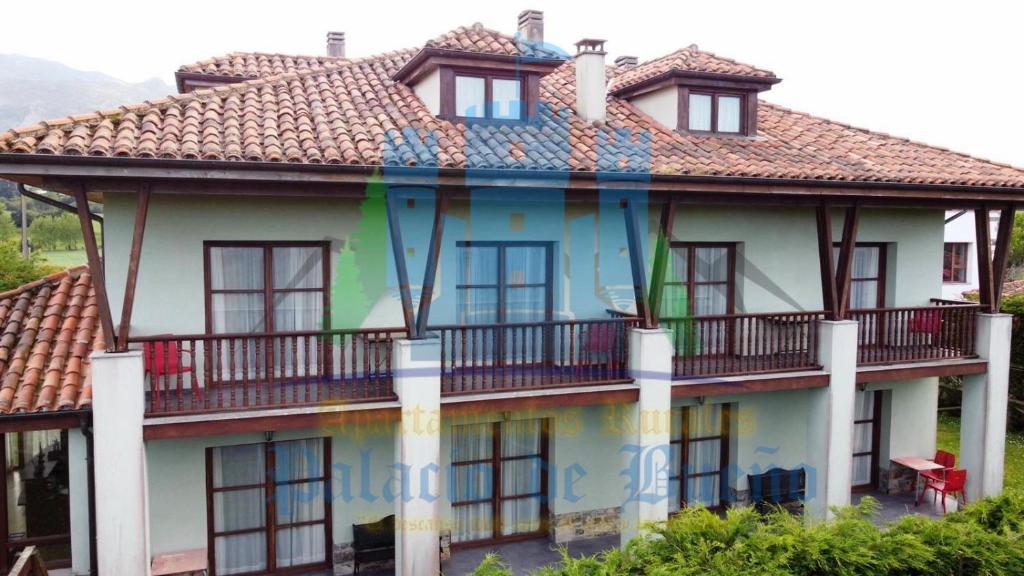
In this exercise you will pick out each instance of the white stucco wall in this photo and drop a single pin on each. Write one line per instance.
(428, 89)
(662, 105)
(78, 482)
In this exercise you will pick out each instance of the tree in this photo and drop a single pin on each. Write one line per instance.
(1017, 241)
(15, 270)
(56, 232)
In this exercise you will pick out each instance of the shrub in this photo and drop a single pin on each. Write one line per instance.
(15, 270)
(985, 538)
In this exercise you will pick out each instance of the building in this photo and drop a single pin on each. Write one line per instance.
(496, 290)
(960, 255)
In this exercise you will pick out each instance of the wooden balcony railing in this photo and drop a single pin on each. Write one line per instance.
(210, 372)
(732, 344)
(502, 357)
(946, 330)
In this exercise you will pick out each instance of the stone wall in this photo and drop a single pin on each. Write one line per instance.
(583, 525)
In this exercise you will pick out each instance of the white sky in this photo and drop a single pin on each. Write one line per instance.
(945, 73)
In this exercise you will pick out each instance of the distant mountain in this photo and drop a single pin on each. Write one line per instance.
(32, 89)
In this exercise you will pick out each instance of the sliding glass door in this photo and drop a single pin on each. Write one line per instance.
(699, 456)
(867, 426)
(499, 480)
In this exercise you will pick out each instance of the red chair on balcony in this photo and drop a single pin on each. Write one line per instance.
(163, 358)
(926, 322)
(953, 483)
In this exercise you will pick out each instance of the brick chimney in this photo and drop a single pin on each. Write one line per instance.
(531, 26)
(336, 44)
(627, 61)
(591, 88)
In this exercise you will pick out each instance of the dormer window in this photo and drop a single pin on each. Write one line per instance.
(711, 112)
(485, 96)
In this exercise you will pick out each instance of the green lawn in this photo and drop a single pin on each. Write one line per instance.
(65, 258)
(949, 440)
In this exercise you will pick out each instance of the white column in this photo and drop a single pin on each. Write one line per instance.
(78, 494)
(122, 525)
(418, 453)
(647, 449)
(830, 420)
(983, 414)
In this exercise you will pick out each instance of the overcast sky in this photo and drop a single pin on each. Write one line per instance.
(945, 73)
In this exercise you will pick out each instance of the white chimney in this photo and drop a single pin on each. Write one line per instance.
(531, 26)
(591, 88)
(336, 44)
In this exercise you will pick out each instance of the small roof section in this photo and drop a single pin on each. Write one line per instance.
(48, 329)
(688, 60)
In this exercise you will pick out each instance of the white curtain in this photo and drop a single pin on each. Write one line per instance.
(863, 437)
(506, 99)
(728, 114)
(299, 501)
(704, 455)
(239, 509)
(472, 482)
(700, 112)
(469, 97)
(521, 438)
(866, 261)
(235, 268)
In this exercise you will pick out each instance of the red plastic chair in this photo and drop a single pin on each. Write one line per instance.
(926, 322)
(163, 357)
(953, 483)
(945, 459)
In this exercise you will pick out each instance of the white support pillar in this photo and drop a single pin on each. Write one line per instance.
(418, 455)
(983, 412)
(78, 494)
(830, 420)
(122, 523)
(647, 438)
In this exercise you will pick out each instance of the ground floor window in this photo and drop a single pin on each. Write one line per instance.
(499, 480)
(699, 456)
(36, 500)
(867, 428)
(266, 506)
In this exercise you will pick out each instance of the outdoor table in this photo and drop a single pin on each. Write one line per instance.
(918, 465)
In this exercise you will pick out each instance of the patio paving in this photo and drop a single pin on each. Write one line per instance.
(895, 506)
(526, 556)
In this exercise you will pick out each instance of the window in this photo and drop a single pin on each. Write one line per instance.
(700, 281)
(266, 287)
(699, 444)
(867, 429)
(723, 112)
(36, 496)
(499, 480)
(267, 508)
(501, 282)
(488, 97)
(954, 262)
(867, 282)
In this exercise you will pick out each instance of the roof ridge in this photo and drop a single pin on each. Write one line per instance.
(237, 53)
(891, 136)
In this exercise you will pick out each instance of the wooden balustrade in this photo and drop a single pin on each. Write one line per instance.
(947, 330)
(209, 372)
(732, 344)
(501, 357)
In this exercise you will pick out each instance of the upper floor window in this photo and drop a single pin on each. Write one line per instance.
(954, 263)
(488, 97)
(867, 276)
(710, 112)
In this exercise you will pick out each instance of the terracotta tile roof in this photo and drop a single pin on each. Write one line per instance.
(1011, 288)
(689, 59)
(476, 38)
(258, 64)
(352, 113)
(48, 328)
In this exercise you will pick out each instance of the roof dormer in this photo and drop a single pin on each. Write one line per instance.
(474, 73)
(696, 92)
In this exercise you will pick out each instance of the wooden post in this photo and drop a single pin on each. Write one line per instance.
(636, 263)
(983, 239)
(829, 292)
(1002, 255)
(661, 258)
(92, 252)
(430, 274)
(398, 250)
(141, 210)
(844, 267)
(24, 223)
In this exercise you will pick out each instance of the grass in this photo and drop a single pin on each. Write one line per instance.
(65, 258)
(1013, 477)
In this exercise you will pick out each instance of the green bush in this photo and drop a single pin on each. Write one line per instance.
(15, 270)
(985, 538)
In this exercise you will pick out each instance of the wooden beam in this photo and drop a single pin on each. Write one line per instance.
(141, 210)
(661, 259)
(398, 250)
(51, 202)
(983, 239)
(637, 262)
(844, 267)
(1002, 255)
(829, 292)
(92, 252)
(430, 274)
